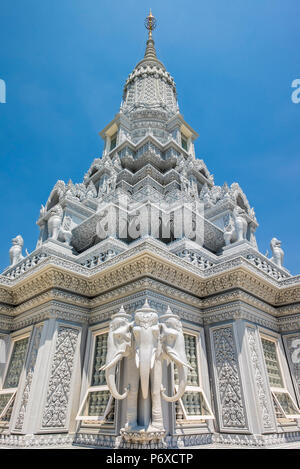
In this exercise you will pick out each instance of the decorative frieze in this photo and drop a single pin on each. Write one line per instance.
(136, 263)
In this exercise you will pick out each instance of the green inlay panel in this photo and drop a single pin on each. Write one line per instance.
(190, 342)
(4, 398)
(278, 411)
(194, 405)
(286, 403)
(16, 364)
(96, 405)
(6, 417)
(98, 377)
(273, 369)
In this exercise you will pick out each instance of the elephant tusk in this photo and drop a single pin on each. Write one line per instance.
(181, 387)
(171, 356)
(111, 383)
(111, 363)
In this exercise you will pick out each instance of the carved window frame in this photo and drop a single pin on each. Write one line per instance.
(13, 391)
(88, 420)
(188, 419)
(279, 390)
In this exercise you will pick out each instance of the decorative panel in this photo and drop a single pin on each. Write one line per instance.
(96, 405)
(293, 352)
(286, 404)
(4, 398)
(229, 392)
(190, 342)
(271, 359)
(262, 389)
(193, 404)
(59, 385)
(28, 379)
(98, 377)
(16, 364)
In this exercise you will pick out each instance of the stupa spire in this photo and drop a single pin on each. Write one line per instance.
(150, 24)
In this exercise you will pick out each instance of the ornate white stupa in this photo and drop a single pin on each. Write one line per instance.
(146, 316)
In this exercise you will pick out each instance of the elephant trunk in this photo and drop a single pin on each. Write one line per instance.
(145, 357)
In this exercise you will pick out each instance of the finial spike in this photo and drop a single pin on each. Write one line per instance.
(150, 24)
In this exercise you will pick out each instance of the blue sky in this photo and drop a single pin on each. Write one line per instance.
(65, 62)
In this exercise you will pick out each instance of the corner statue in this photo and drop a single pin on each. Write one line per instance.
(145, 343)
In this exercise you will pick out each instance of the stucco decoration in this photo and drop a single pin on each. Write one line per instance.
(145, 342)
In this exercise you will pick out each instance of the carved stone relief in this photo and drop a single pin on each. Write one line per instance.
(293, 351)
(28, 379)
(261, 385)
(232, 413)
(59, 385)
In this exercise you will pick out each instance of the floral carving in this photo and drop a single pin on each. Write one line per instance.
(232, 411)
(28, 378)
(59, 386)
(262, 392)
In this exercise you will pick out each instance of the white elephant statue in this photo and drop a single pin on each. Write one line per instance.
(144, 344)
(277, 252)
(118, 346)
(173, 350)
(15, 252)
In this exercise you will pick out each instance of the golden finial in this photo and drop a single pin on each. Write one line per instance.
(150, 23)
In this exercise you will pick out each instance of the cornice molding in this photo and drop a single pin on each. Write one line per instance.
(139, 266)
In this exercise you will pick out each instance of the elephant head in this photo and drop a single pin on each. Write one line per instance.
(118, 346)
(173, 349)
(146, 333)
